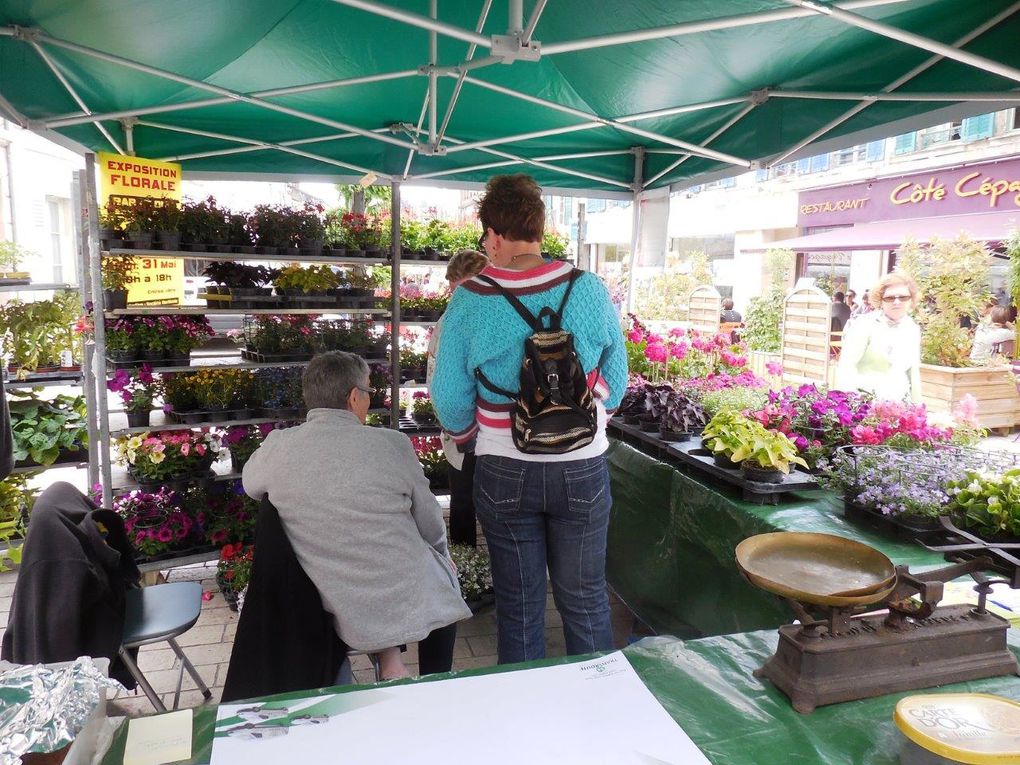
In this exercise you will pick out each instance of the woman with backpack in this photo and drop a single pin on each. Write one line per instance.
(530, 360)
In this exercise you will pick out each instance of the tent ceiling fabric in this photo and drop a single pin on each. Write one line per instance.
(200, 77)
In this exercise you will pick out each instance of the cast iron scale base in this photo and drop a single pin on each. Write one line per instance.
(838, 652)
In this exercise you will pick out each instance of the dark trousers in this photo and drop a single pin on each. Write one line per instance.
(462, 504)
(435, 651)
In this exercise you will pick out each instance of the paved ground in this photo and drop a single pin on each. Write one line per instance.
(209, 642)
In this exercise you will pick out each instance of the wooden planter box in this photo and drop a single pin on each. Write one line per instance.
(993, 387)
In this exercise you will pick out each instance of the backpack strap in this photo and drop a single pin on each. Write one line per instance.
(535, 324)
(480, 376)
(556, 317)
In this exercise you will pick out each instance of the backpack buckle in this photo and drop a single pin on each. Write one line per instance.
(554, 379)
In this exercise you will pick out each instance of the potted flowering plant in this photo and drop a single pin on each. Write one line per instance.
(656, 397)
(421, 408)
(158, 458)
(379, 377)
(310, 230)
(188, 332)
(243, 440)
(166, 224)
(151, 336)
(227, 516)
(155, 522)
(138, 392)
(116, 276)
(273, 227)
(433, 460)
(474, 574)
(120, 343)
(295, 281)
(280, 392)
(632, 405)
(362, 234)
(233, 572)
(204, 225)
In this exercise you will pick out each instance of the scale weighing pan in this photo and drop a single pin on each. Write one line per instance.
(822, 569)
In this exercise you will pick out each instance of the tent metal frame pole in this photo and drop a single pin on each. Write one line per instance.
(129, 135)
(262, 145)
(695, 27)
(549, 158)
(1006, 95)
(909, 38)
(730, 123)
(515, 17)
(98, 377)
(246, 149)
(696, 150)
(897, 83)
(529, 28)
(77, 119)
(433, 77)
(73, 93)
(635, 231)
(199, 85)
(395, 250)
(417, 131)
(83, 237)
(417, 20)
(460, 77)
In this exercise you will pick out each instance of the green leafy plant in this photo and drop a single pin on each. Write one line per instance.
(736, 399)
(11, 255)
(16, 500)
(311, 279)
(43, 428)
(141, 215)
(743, 439)
(206, 222)
(36, 333)
(238, 275)
(764, 317)
(554, 245)
(166, 215)
(952, 276)
(116, 271)
(987, 501)
(272, 225)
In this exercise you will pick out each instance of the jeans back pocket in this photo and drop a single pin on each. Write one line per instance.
(498, 486)
(587, 486)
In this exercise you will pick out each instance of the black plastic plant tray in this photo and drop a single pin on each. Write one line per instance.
(691, 453)
(411, 425)
(922, 530)
(650, 443)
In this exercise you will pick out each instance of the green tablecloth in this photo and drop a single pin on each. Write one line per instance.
(707, 687)
(672, 536)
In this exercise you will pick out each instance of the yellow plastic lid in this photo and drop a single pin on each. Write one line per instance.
(972, 728)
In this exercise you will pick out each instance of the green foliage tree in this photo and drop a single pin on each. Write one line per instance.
(764, 316)
(376, 198)
(952, 276)
(664, 297)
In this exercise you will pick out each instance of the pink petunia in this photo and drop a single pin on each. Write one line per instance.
(185, 449)
(774, 368)
(200, 450)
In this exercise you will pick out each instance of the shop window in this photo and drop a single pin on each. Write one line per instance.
(819, 163)
(787, 168)
(875, 151)
(905, 143)
(804, 166)
(976, 128)
(761, 174)
(938, 135)
(596, 205)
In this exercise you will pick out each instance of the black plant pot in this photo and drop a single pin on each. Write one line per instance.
(648, 423)
(425, 419)
(674, 436)
(121, 356)
(115, 299)
(760, 474)
(140, 240)
(138, 419)
(151, 354)
(630, 419)
(723, 461)
(171, 240)
(177, 358)
(237, 463)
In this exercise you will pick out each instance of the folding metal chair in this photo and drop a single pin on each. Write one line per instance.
(157, 613)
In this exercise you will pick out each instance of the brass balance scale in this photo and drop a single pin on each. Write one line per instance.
(836, 653)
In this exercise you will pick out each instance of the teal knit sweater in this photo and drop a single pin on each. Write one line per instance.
(482, 330)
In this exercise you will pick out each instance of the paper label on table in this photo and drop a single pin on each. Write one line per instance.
(597, 712)
(159, 739)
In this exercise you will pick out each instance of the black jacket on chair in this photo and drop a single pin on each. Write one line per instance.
(285, 640)
(69, 597)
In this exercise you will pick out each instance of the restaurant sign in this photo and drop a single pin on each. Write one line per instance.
(986, 187)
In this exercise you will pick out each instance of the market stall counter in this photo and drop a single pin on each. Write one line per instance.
(671, 540)
(708, 688)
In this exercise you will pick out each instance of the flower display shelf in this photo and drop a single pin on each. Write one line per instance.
(411, 426)
(691, 453)
(280, 255)
(158, 424)
(170, 363)
(155, 310)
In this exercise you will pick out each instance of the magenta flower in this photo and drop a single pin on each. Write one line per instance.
(656, 352)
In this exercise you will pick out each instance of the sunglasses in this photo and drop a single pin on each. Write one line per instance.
(896, 298)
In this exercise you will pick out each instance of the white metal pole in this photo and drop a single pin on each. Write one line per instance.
(98, 380)
(246, 149)
(696, 27)
(82, 238)
(515, 17)
(77, 119)
(200, 85)
(635, 233)
(898, 82)
(395, 250)
(460, 78)
(74, 94)
(129, 135)
(417, 20)
(824, 95)
(529, 28)
(433, 77)
(909, 38)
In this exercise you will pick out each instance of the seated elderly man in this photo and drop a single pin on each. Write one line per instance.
(358, 512)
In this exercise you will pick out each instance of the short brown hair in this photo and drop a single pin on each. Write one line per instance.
(727, 304)
(895, 278)
(464, 265)
(1000, 315)
(512, 207)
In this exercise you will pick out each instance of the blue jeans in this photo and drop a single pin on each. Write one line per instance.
(539, 514)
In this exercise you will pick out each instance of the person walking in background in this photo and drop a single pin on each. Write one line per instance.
(882, 350)
(991, 334)
(537, 510)
(851, 301)
(863, 307)
(728, 315)
(463, 265)
(840, 312)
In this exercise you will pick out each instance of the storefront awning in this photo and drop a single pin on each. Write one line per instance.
(992, 227)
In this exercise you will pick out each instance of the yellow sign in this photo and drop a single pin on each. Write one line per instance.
(122, 180)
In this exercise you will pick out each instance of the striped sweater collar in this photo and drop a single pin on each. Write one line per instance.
(521, 282)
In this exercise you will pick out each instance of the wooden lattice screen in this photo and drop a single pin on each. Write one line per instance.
(705, 304)
(806, 333)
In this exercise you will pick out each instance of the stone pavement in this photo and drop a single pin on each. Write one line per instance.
(209, 642)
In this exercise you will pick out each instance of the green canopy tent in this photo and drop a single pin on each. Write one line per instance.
(593, 97)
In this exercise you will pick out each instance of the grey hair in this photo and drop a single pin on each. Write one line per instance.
(330, 377)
